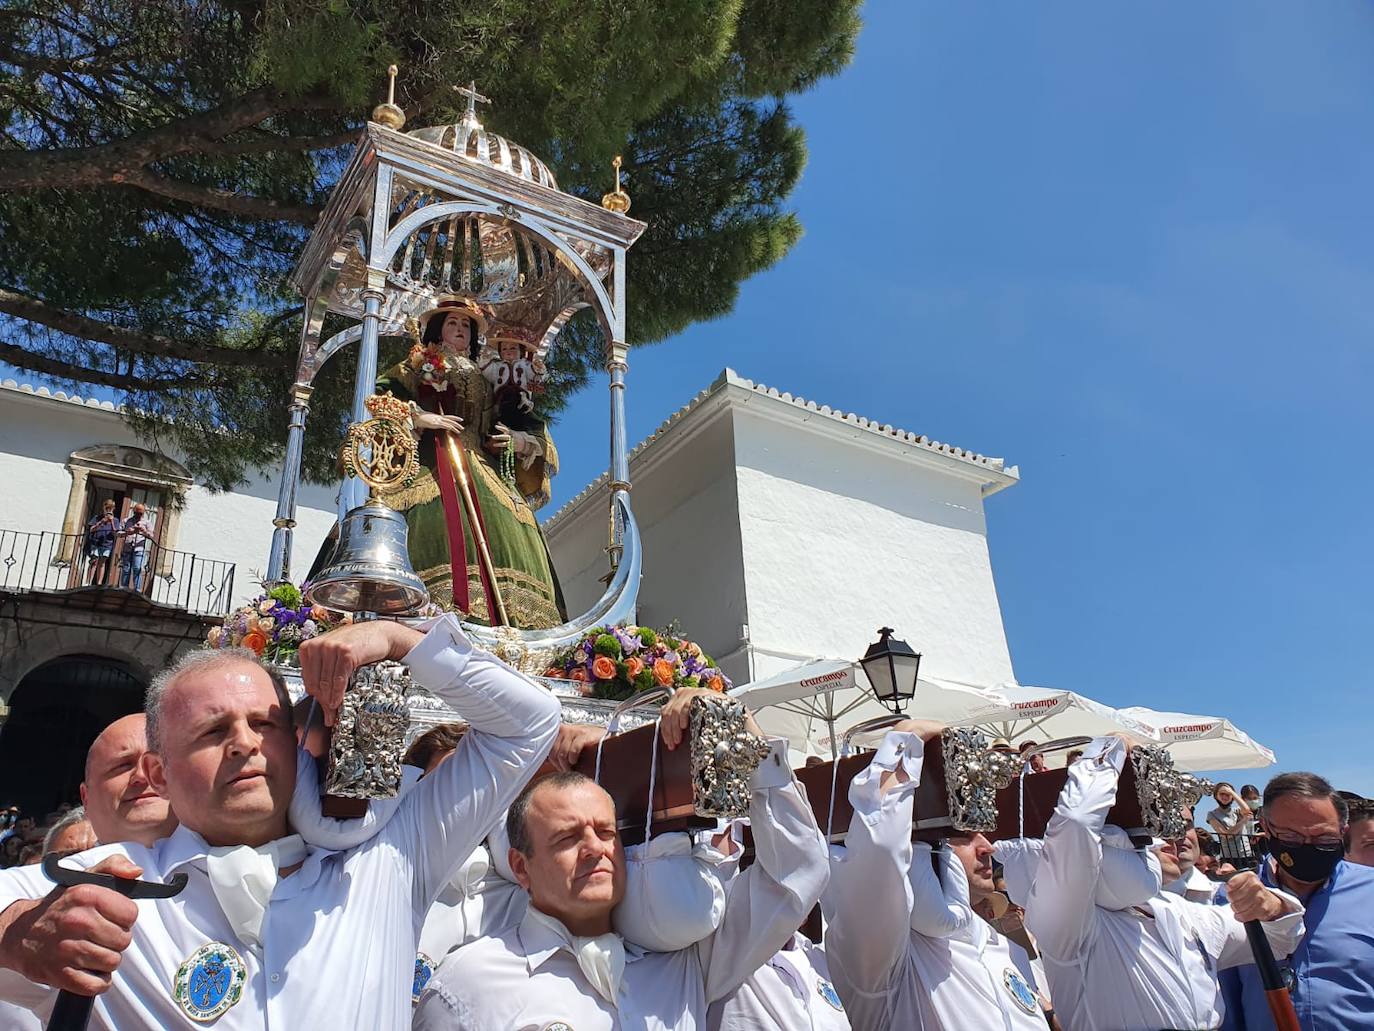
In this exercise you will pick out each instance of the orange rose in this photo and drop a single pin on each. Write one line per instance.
(603, 668)
(554, 671)
(579, 674)
(255, 641)
(663, 672)
(716, 684)
(634, 666)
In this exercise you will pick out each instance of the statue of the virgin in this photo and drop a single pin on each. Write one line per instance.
(474, 539)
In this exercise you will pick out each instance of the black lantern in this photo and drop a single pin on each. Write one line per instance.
(892, 668)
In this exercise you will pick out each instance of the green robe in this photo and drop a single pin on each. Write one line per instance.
(524, 573)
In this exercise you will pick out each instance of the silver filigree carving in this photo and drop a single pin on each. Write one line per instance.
(370, 734)
(725, 754)
(973, 776)
(1165, 793)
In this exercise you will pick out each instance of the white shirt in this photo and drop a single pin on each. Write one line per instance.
(340, 934)
(905, 946)
(476, 903)
(525, 980)
(1137, 969)
(1196, 887)
(791, 991)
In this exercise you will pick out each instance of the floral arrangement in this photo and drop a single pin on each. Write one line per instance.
(274, 624)
(431, 365)
(616, 662)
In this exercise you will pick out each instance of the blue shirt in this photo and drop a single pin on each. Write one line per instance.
(1334, 965)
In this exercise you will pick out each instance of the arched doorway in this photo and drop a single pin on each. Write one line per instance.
(56, 711)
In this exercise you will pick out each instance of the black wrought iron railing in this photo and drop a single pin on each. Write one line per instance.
(63, 561)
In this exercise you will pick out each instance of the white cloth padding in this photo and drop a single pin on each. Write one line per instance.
(673, 897)
(322, 831)
(1129, 876)
(499, 847)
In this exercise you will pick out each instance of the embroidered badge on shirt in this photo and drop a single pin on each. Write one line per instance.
(557, 1025)
(209, 982)
(1019, 990)
(424, 970)
(826, 990)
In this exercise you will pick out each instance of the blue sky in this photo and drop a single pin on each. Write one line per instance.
(1128, 248)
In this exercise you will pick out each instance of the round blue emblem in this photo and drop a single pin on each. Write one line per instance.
(209, 982)
(424, 970)
(1019, 990)
(826, 990)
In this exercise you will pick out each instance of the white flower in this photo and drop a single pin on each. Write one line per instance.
(266, 623)
(265, 606)
(309, 629)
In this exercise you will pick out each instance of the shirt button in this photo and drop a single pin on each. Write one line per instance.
(276, 978)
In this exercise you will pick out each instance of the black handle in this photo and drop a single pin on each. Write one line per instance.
(71, 1012)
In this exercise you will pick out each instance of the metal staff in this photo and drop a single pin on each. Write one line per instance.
(460, 475)
(72, 1011)
(1275, 991)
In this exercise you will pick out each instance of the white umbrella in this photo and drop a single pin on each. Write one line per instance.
(1044, 713)
(1203, 742)
(809, 703)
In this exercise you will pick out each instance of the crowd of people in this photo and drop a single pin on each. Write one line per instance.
(494, 892)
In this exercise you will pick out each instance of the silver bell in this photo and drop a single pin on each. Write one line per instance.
(370, 570)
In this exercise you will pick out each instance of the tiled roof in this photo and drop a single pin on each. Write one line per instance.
(60, 395)
(729, 377)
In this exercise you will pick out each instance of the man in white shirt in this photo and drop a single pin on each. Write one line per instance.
(269, 933)
(563, 966)
(119, 801)
(904, 945)
(1143, 967)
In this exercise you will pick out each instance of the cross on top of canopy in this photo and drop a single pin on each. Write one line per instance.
(455, 209)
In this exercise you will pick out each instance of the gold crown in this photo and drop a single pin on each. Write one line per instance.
(388, 406)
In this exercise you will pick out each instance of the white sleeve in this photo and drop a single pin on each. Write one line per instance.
(940, 905)
(868, 905)
(325, 832)
(1225, 937)
(513, 723)
(768, 902)
(1060, 909)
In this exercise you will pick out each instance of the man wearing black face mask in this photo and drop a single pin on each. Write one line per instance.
(1332, 971)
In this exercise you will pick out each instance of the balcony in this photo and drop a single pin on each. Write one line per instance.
(57, 564)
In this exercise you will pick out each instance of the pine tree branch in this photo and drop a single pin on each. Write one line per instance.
(155, 344)
(23, 358)
(101, 164)
(222, 200)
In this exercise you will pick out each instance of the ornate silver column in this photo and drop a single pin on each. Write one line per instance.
(617, 366)
(354, 490)
(279, 561)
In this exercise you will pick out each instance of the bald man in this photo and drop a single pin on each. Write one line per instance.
(119, 802)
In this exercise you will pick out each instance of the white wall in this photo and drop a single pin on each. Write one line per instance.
(685, 503)
(37, 436)
(841, 537)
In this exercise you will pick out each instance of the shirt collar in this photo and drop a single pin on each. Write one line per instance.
(184, 847)
(540, 942)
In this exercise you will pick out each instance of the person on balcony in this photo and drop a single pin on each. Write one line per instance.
(100, 536)
(134, 555)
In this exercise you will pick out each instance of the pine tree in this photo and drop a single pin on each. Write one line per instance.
(161, 163)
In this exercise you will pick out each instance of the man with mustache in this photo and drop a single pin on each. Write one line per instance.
(269, 931)
(563, 965)
(903, 943)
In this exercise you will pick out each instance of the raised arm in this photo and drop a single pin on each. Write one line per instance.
(512, 720)
(1060, 908)
(767, 902)
(868, 904)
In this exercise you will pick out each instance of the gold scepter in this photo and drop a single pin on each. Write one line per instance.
(460, 477)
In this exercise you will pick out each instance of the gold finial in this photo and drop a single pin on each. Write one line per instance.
(617, 200)
(389, 114)
(474, 98)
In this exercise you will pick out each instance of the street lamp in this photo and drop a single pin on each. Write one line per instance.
(892, 668)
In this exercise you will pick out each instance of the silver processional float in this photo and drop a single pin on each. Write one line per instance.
(458, 216)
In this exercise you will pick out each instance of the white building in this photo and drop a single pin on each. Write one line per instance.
(74, 657)
(777, 530)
